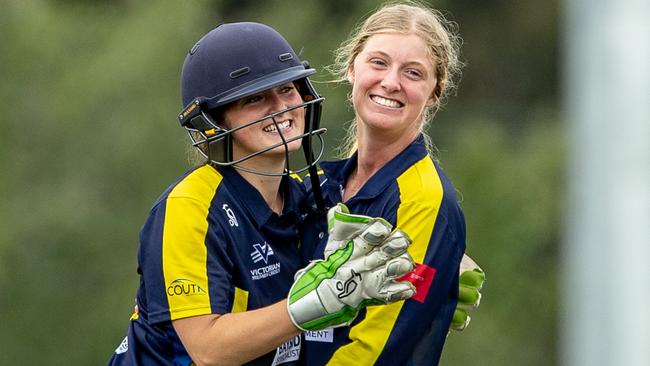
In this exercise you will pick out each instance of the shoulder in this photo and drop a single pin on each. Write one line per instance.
(425, 188)
(198, 184)
(421, 183)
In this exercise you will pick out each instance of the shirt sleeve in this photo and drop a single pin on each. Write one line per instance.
(390, 334)
(184, 270)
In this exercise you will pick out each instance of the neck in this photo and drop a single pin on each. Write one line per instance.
(374, 151)
(268, 186)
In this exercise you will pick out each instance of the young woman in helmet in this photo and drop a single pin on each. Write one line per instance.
(400, 63)
(219, 250)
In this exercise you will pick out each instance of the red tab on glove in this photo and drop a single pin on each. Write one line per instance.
(421, 277)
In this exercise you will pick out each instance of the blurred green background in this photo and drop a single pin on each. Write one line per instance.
(89, 97)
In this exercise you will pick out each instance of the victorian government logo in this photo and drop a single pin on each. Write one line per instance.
(232, 220)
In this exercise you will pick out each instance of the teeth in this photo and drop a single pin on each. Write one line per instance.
(386, 102)
(282, 125)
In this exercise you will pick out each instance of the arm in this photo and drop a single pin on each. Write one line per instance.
(235, 338)
(180, 230)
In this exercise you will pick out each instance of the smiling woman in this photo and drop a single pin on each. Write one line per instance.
(392, 85)
(412, 19)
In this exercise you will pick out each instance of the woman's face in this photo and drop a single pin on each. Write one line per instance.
(265, 133)
(392, 83)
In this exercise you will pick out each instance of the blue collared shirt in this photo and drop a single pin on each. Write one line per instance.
(413, 193)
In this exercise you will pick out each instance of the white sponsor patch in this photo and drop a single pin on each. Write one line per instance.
(124, 346)
(287, 352)
(325, 335)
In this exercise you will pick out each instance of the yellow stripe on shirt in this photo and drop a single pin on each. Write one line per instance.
(184, 254)
(240, 303)
(420, 198)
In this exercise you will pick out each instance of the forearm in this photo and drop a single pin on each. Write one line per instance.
(235, 338)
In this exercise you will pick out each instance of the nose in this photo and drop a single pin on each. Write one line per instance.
(276, 103)
(391, 81)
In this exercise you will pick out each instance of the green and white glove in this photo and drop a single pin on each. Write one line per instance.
(331, 292)
(471, 282)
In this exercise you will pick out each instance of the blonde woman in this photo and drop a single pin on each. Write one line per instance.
(401, 63)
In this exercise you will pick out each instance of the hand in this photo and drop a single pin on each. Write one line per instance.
(471, 279)
(343, 226)
(331, 292)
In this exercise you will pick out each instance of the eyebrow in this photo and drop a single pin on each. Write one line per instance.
(384, 54)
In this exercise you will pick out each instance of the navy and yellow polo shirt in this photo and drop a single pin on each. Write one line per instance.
(211, 245)
(414, 194)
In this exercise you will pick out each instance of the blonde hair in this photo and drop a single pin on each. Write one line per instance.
(405, 17)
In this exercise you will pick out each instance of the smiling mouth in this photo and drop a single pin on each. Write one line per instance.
(390, 103)
(280, 125)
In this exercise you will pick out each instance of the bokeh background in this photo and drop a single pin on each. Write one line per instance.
(88, 99)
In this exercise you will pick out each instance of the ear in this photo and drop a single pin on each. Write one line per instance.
(436, 93)
(434, 96)
(350, 75)
(433, 99)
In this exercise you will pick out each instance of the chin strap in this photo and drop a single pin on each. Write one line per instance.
(320, 208)
(312, 119)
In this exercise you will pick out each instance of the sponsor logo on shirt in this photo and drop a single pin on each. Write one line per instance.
(124, 346)
(325, 335)
(184, 287)
(232, 220)
(266, 271)
(261, 252)
(421, 277)
(287, 352)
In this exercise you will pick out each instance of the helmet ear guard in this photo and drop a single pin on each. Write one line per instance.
(210, 139)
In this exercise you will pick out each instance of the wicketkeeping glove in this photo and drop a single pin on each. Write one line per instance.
(332, 291)
(344, 226)
(471, 282)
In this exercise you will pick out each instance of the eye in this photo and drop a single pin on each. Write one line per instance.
(287, 89)
(414, 73)
(252, 99)
(378, 61)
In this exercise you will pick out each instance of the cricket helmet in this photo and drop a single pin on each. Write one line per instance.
(233, 61)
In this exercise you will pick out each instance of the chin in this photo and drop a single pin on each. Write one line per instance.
(291, 147)
(381, 124)
(294, 145)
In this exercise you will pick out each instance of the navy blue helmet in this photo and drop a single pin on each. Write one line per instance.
(233, 61)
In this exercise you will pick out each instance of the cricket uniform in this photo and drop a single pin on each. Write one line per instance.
(211, 245)
(412, 193)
